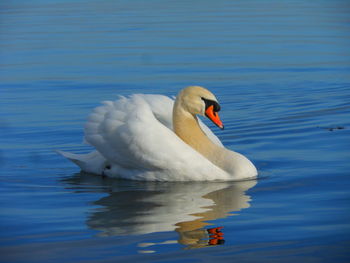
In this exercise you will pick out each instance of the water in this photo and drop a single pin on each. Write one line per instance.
(281, 72)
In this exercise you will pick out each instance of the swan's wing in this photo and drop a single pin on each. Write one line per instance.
(134, 134)
(162, 108)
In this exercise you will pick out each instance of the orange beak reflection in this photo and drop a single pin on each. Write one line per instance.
(214, 116)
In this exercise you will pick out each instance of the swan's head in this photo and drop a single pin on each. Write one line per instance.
(198, 100)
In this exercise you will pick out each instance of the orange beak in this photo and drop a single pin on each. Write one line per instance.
(214, 116)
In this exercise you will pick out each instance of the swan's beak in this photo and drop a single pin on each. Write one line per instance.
(214, 116)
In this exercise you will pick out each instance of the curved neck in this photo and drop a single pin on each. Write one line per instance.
(186, 126)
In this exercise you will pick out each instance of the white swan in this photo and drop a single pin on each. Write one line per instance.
(149, 137)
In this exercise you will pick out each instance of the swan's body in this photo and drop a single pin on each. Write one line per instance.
(149, 137)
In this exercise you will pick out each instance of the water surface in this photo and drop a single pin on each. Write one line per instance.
(279, 69)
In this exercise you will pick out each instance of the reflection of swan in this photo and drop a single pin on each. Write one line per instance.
(182, 207)
(149, 137)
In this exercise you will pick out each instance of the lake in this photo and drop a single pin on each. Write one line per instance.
(281, 71)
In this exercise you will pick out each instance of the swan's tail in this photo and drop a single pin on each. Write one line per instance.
(92, 162)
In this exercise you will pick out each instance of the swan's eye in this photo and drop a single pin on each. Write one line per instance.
(209, 103)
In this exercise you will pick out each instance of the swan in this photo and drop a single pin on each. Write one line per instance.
(153, 138)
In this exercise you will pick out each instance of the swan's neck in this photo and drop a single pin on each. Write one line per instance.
(186, 126)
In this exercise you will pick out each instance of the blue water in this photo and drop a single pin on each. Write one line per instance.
(281, 70)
